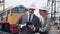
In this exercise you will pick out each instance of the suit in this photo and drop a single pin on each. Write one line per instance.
(46, 27)
(35, 21)
(27, 31)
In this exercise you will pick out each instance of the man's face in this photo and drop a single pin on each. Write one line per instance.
(31, 11)
(42, 12)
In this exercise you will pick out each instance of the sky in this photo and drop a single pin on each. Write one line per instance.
(9, 3)
(13, 3)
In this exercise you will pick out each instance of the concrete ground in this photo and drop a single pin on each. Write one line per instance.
(53, 31)
(3, 32)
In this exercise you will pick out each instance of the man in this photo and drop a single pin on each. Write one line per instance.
(28, 29)
(31, 18)
(45, 20)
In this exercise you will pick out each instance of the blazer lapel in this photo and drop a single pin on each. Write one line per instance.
(26, 17)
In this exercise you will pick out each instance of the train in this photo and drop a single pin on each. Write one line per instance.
(12, 14)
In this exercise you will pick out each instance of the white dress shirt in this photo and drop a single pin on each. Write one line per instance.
(31, 16)
(42, 20)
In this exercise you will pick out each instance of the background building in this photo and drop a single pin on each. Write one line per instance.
(54, 10)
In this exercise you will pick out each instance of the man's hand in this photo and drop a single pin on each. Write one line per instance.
(23, 25)
(31, 26)
(41, 29)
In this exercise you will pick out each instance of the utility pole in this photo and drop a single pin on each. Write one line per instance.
(2, 5)
(58, 11)
(52, 9)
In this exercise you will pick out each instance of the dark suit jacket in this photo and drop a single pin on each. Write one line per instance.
(3, 32)
(35, 21)
(27, 31)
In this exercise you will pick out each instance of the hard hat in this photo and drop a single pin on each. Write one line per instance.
(32, 5)
(43, 7)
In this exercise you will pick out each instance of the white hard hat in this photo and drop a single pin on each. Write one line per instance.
(32, 5)
(43, 7)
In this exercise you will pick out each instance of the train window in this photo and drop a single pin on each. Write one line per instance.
(22, 10)
(8, 11)
(15, 10)
(3, 14)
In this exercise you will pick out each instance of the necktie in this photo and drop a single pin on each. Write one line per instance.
(29, 18)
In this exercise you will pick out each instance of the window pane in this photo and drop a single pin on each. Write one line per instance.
(3, 14)
(22, 10)
(15, 10)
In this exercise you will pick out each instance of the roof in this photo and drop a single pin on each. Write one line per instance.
(20, 6)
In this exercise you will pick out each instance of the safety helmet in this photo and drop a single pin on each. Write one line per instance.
(43, 7)
(32, 5)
